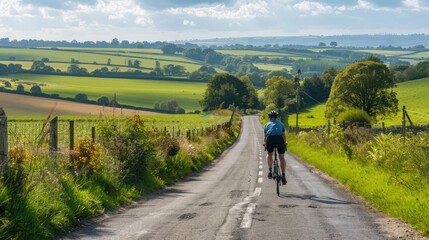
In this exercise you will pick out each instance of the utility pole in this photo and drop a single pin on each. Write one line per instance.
(296, 81)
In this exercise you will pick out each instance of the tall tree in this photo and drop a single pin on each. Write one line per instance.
(279, 92)
(366, 85)
(224, 90)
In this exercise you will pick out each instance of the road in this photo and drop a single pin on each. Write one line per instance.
(233, 199)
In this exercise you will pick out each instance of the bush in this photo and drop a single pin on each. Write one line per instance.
(81, 97)
(17, 155)
(20, 88)
(130, 142)
(168, 146)
(87, 155)
(36, 90)
(103, 100)
(355, 116)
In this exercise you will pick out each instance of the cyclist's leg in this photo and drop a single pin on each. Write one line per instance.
(270, 159)
(282, 163)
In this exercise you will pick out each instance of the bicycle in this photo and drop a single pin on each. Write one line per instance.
(277, 174)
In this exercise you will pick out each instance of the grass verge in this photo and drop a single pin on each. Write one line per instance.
(370, 182)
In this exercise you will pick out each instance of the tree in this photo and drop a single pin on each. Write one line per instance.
(333, 44)
(36, 90)
(279, 92)
(103, 100)
(224, 90)
(81, 97)
(7, 84)
(115, 42)
(252, 99)
(322, 44)
(169, 105)
(137, 63)
(20, 88)
(169, 48)
(4, 70)
(365, 85)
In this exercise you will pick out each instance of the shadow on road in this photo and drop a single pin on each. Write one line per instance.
(325, 200)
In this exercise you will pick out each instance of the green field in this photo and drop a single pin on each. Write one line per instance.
(254, 53)
(99, 56)
(141, 92)
(412, 94)
(386, 52)
(418, 55)
(272, 67)
(63, 66)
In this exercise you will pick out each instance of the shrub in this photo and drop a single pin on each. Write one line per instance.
(103, 100)
(168, 146)
(81, 97)
(129, 142)
(355, 116)
(20, 88)
(17, 155)
(87, 155)
(7, 84)
(36, 90)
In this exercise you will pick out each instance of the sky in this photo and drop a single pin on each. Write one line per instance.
(169, 20)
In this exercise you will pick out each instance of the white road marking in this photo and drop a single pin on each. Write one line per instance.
(260, 173)
(260, 162)
(260, 180)
(257, 192)
(247, 218)
(260, 158)
(260, 166)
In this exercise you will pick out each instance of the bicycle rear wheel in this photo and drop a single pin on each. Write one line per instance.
(278, 182)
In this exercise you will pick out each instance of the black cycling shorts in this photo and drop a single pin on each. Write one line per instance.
(276, 140)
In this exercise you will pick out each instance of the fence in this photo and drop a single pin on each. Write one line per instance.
(59, 135)
(402, 129)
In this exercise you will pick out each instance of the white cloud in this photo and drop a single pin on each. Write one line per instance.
(240, 10)
(317, 8)
(189, 23)
(314, 8)
(415, 5)
(14, 8)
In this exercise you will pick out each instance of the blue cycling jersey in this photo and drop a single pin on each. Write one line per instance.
(274, 127)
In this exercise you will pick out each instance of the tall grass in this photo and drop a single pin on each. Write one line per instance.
(42, 194)
(362, 176)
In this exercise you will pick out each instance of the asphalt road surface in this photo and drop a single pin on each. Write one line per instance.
(233, 199)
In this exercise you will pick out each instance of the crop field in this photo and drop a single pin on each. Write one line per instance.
(96, 56)
(254, 53)
(63, 66)
(386, 52)
(23, 105)
(141, 92)
(418, 55)
(272, 67)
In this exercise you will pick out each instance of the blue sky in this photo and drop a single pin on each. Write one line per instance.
(153, 20)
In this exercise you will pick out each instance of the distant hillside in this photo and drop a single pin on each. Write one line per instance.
(22, 105)
(404, 41)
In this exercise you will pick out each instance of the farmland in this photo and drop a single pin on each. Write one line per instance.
(141, 92)
(22, 105)
(97, 57)
(412, 94)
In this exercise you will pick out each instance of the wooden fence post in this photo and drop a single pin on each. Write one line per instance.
(71, 137)
(403, 122)
(172, 133)
(53, 135)
(383, 127)
(3, 142)
(93, 134)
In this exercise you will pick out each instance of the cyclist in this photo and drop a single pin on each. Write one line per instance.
(274, 131)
